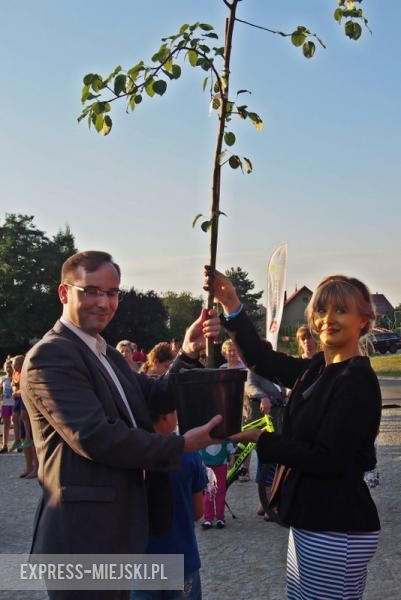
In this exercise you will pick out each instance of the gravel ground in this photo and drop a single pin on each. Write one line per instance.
(245, 561)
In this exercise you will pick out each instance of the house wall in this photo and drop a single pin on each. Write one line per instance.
(294, 312)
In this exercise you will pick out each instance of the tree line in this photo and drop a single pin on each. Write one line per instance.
(30, 265)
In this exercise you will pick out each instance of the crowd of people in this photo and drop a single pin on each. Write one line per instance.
(104, 415)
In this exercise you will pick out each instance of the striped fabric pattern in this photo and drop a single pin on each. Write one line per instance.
(328, 565)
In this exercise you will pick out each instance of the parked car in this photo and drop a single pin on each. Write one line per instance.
(384, 340)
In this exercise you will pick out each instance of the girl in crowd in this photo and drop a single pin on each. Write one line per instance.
(305, 341)
(327, 441)
(7, 400)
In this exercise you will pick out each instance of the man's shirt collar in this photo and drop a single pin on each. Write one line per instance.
(96, 344)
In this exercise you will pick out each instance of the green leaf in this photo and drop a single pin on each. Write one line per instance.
(196, 219)
(88, 78)
(298, 37)
(221, 156)
(212, 35)
(216, 102)
(229, 138)
(229, 107)
(132, 103)
(149, 87)
(130, 86)
(98, 108)
(138, 99)
(308, 49)
(353, 30)
(205, 82)
(119, 84)
(206, 27)
(85, 94)
(107, 125)
(192, 57)
(256, 120)
(248, 165)
(234, 161)
(242, 112)
(176, 71)
(243, 92)
(338, 15)
(220, 212)
(204, 48)
(159, 87)
(99, 122)
(205, 226)
(135, 70)
(219, 51)
(97, 83)
(183, 28)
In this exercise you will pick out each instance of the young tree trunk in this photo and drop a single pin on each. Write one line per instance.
(230, 22)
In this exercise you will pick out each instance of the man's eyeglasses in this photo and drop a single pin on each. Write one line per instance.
(95, 292)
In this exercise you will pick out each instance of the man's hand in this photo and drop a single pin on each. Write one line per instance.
(251, 435)
(207, 325)
(199, 437)
(223, 289)
(265, 405)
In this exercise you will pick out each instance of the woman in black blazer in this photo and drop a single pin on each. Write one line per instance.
(327, 442)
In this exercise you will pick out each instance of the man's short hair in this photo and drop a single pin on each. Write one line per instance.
(90, 260)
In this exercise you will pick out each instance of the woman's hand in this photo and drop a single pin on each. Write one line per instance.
(223, 290)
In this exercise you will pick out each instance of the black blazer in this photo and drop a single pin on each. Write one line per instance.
(329, 429)
(91, 458)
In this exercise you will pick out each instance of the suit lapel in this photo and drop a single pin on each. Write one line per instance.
(133, 393)
(97, 365)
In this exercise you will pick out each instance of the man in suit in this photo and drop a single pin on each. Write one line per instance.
(101, 465)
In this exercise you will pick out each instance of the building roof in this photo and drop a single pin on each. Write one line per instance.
(381, 304)
(303, 289)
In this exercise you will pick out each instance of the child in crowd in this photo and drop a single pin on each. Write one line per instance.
(187, 484)
(216, 457)
(7, 403)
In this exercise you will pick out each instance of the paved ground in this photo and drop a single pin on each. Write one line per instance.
(246, 561)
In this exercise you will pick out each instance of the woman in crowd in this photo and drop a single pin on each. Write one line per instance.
(327, 441)
(126, 348)
(305, 341)
(158, 360)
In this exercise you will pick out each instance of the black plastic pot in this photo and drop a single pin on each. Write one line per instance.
(203, 393)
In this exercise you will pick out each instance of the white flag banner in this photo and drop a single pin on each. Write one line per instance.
(276, 277)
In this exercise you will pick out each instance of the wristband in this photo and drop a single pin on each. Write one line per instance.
(188, 359)
(233, 314)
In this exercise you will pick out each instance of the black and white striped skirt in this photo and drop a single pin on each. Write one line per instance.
(328, 565)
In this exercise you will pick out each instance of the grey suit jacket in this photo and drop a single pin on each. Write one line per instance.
(91, 458)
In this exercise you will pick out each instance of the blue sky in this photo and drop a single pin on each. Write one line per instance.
(326, 167)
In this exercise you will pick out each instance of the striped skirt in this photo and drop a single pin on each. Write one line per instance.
(328, 565)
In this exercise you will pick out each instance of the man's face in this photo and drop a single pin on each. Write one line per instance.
(91, 314)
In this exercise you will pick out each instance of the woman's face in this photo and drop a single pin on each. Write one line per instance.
(339, 327)
(307, 345)
(232, 355)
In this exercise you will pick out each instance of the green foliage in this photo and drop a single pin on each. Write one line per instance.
(30, 265)
(192, 43)
(141, 317)
(182, 309)
(348, 10)
(205, 225)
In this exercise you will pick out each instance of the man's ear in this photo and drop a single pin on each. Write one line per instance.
(62, 293)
